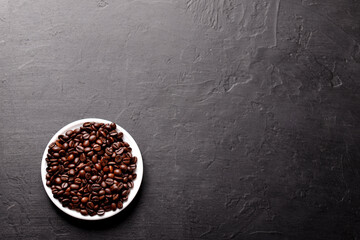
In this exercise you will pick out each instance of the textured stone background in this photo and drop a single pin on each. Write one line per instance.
(246, 112)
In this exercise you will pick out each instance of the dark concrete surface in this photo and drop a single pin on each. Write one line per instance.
(246, 112)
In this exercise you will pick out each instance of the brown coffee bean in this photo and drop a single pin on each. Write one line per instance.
(84, 199)
(75, 199)
(95, 187)
(101, 212)
(90, 154)
(114, 188)
(107, 191)
(109, 181)
(83, 212)
(95, 199)
(77, 181)
(90, 205)
(123, 168)
(117, 172)
(87, 169)
(98, 166)
(92, 138)
(64, 177)
(109, 151)
(56, 149)
(97, 147)
(69, 133)
(85, 136)
(74, 186)
(87, 176)
(94, 159)
(94, 178)
(120, 135)
(82, 157)
(82, 173)
(58, 180)
(71, 172)
(113, 206)
(80, 149)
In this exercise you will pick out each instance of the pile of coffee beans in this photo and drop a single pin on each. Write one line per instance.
(91, 169)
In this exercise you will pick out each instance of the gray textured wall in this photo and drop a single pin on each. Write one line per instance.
(246, 112)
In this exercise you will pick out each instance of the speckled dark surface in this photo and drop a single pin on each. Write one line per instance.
(246, 112)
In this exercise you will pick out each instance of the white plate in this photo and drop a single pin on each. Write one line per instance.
(135, 152)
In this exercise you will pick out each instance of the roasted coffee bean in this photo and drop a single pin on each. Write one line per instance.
(74, 186)
(85, 136)
(114, 188)
(109, 151)
(57, 181)
(95, 187)
(77, 181)
(98, 166)
(83, 212)
(64, 185)
(123, 168)
(82, 157)
(92, 138)
(101, 212)
(113, 206)
(80, 149)
(82, 173)
(117, 172)
(94, 159)
(97, 147)
(90, 205)
(72, 172)
(120, 135)
(56, 148)
(95, 199)
(64, 177)
(91, 164)
(69, 133)
(109, 181)
(75, 199)
(87, 124)
(90, 154)
(107, 191)
(87, 176)
(70, 157)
